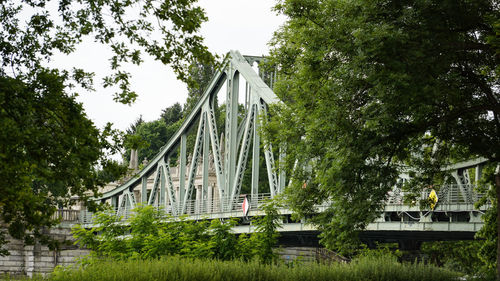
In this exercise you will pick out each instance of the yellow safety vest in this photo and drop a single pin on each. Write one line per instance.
(433, 199)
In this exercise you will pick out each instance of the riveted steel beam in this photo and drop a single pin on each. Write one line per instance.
(242, 159)
(194, 162)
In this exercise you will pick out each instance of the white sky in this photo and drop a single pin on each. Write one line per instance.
(243, 25)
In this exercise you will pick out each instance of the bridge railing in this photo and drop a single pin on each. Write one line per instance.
(65, 215)
(193, 207)
(208, 206)
(448, 195)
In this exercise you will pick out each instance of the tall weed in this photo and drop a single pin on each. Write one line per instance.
(177, 268)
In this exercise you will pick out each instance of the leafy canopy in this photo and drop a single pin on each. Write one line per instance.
(372, 86)
(164, 30)
(49, 149)
(48, 153)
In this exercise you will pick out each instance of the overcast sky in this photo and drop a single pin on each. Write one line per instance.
(241, 25)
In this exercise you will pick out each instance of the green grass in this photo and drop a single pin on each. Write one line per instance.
(175, 268)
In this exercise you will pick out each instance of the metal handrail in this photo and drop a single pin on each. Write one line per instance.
(193, 207)
(65, 215)
(447, 194)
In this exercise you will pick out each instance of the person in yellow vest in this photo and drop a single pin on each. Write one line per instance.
(433, 198)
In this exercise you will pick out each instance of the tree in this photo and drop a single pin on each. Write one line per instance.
(149, 137)
(172, 114)
(459, 256)
(154, 132)
(151, 234)
(266, 232)
(372, 86)
(49, 149)
(199, 77)
(133, 127)
(224, 242)
(152, 136)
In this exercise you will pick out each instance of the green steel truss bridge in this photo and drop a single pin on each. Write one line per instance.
(200, 171)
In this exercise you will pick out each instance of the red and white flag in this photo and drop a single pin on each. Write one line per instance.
(245, 206)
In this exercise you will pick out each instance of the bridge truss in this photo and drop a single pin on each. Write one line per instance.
(227, 156)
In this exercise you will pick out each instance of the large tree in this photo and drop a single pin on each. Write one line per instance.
(49, 152)
(49, 149)
(372, 86)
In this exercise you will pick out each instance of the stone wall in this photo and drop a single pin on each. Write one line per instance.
(297, 254)
(29, 260)
(308, 254)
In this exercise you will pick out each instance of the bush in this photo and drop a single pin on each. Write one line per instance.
(150, 234)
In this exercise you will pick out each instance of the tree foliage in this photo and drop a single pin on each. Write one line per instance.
(150, 137)
(488, 233)
(172, 114)
(370, 87)
(266, 232)
(49, 149)
(459, 256)
(48, 153)
(199, 77)
(150, 234)
(165, 31)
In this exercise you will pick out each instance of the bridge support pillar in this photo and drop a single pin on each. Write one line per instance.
(475, 217)
(425, 217)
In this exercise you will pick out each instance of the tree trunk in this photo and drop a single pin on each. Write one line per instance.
(497, 183)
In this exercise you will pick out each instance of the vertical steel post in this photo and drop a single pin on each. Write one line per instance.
(216, 151)
(161, 197)
(243, 154)
(198, 200)
(114, 202)
(210, 199)
(144, 190)
(182, 174)
(268, 154)
(194, 160)
(206, 144)
(255, 159)
(479, 172)
(231, 130)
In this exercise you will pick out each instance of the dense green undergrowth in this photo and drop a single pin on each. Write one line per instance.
(151, 234)
(177, 268)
